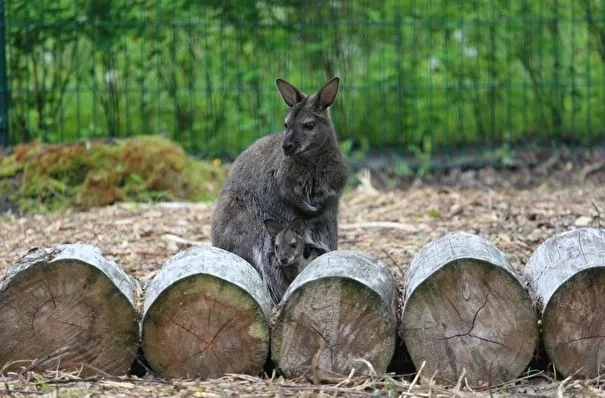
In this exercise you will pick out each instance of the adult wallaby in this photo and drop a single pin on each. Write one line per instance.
(299, 172)
(287, 247)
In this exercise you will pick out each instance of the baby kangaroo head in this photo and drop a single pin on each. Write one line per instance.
(308, 125)
(289, 244)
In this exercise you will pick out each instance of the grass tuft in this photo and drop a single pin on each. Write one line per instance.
(85, 174)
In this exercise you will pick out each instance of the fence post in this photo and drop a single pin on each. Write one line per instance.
(3, 80)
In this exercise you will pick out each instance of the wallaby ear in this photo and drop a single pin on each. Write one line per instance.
(327, 95)
(298, 226)
(273, 227)
(289, 93)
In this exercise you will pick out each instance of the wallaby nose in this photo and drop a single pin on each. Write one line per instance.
(288, 148)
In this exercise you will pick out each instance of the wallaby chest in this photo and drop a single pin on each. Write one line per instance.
(303, 180)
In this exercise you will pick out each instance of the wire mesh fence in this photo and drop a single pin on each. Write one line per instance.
(416, 75)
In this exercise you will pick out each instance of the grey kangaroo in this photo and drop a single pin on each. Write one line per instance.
(299, 172)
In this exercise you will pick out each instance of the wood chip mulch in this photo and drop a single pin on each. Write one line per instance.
(390, 224)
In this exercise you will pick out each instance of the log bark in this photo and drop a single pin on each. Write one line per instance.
(339, 314)
(68, 308)
(206, 313)
(465, 308)
(567, 275)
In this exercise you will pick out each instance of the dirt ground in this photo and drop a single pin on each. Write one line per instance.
(389, 223)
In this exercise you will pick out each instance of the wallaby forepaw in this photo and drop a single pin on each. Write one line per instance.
(311, 210)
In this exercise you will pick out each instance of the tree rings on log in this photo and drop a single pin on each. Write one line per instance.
(567, 275)
(466, 309)
(68, 308)
(206, 313)
(337, 315)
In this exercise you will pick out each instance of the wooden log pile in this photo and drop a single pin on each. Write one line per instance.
(465, 313)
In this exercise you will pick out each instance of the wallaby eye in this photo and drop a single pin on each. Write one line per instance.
(286, 126)
(276, 246)
(292, 245)
(309, 125)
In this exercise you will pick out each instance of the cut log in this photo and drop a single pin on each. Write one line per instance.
(206, 313)
(68, 308)
(567, 275)
(465, 308)
(339, 314)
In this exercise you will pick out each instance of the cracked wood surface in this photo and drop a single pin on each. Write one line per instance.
(466, 309)
(338, 313)
(68, 308)
(567, 274)
(206, 314)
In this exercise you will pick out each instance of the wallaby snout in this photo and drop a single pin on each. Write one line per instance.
(289, 147)
(284, 261)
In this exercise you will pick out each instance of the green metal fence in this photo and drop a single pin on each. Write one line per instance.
(416, 75)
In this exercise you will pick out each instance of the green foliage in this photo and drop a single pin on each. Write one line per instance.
(86, 174)
(389, 383)
(505, 155)
(202, 73)
(424, 155)
(434, 213)
(401, 168)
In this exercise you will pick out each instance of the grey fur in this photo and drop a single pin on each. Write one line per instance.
(287, 248)
(299, 172)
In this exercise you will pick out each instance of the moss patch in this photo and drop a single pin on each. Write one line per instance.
(37, 177)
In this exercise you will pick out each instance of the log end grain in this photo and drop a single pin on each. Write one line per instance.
(566, 274)
(574, 325)
(474, 315)
(203, 326)
(331, 323)
(64, 311)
